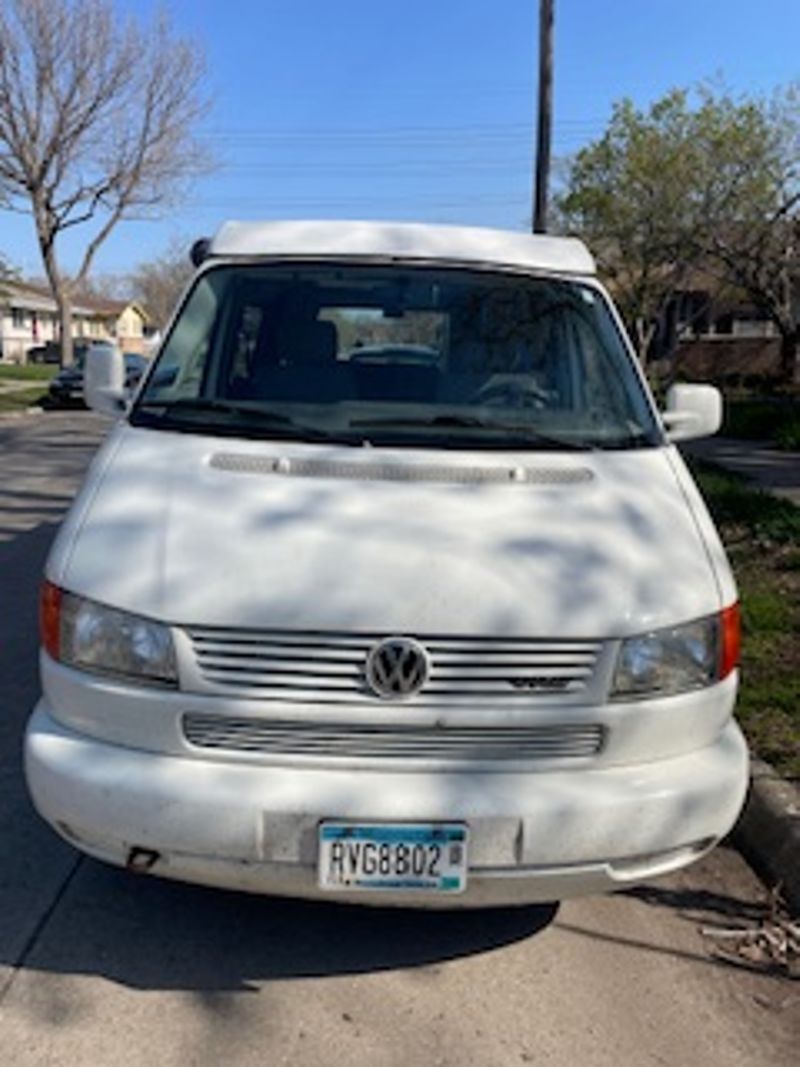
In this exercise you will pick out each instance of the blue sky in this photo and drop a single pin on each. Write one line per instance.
(421, 109)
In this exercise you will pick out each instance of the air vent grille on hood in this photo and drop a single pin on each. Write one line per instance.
(381, 471)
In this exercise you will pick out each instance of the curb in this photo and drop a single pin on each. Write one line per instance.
(22, 413)
(768, 831)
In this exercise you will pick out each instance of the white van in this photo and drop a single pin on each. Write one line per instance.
(391, 586)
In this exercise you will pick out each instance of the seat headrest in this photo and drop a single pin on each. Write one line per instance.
(306, 341)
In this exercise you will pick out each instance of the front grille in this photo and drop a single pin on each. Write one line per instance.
(359, 741)
(329, 668)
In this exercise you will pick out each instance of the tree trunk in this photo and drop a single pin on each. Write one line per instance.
(643, 333)
(789, 369)
(60, 286)
(64, 302)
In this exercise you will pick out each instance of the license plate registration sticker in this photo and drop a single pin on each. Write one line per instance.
(396, 856)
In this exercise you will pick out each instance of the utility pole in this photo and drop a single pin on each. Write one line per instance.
(544, 124)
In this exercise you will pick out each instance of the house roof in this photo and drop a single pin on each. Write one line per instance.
(114, 308)
(410, 241)
(34, 297)
(24, 295)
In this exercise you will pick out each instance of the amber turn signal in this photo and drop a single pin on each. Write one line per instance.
(50, 619)
(730, 643)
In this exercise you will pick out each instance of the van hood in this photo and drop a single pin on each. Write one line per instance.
(198, 530)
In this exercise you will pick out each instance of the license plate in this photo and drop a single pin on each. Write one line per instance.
(397, 856)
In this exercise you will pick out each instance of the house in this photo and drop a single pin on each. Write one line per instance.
(722, 338)
(710, 331)
(124, 321)
(29, 318)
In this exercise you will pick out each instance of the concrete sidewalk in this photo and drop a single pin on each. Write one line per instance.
(778, 472)
(17, 385)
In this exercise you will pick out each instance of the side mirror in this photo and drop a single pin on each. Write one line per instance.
(199, 251)
(104, 380)
(692, 411)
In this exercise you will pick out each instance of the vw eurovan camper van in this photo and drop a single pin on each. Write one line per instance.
(390, 585)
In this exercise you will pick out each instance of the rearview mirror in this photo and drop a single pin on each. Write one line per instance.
(104, 380)
(692, 411)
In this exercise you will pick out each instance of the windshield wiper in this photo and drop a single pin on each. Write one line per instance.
(273, 423)
(473, 422)
(433, 420)
(203, 404)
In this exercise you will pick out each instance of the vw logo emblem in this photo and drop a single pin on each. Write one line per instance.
(397, 667)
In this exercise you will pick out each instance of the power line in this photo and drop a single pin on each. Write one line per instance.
(274, 203)
(389, 167)
(391, 133)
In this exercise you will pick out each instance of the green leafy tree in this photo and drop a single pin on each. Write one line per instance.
(760, 251)
(698, 181)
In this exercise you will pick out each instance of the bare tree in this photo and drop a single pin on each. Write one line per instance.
(159, 282)
(96, 124)
(105, 286)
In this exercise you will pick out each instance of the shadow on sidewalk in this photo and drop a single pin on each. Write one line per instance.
(151, 934)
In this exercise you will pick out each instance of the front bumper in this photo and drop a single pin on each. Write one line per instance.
(533, 837)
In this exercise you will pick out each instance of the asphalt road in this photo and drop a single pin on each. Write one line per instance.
(100, 967)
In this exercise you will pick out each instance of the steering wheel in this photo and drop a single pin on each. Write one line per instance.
(511, 394)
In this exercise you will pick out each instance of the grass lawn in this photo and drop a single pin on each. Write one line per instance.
(34, 372)
(776, 421)
(762, 535)
(20, 399)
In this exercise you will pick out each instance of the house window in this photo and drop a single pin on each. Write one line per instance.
(724, 324)
(18, 318)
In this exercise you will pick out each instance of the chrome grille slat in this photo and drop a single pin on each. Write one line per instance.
(444, 663)
(315, 638)
(277, 667)
(301, 737)
(312, 695)
(440, 679)
(314, 698)
(277, 647)
(317, 667)
(274, 681)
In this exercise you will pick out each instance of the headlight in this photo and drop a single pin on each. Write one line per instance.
(96, 638)
(679, 658)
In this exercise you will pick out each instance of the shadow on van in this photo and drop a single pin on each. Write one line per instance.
(63, 914)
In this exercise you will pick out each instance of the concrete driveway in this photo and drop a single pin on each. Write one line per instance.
(99, 967)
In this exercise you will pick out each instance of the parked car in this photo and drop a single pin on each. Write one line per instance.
(51, 351)
(66, 388)
(450, 631)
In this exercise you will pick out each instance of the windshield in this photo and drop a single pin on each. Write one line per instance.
(405, 356)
